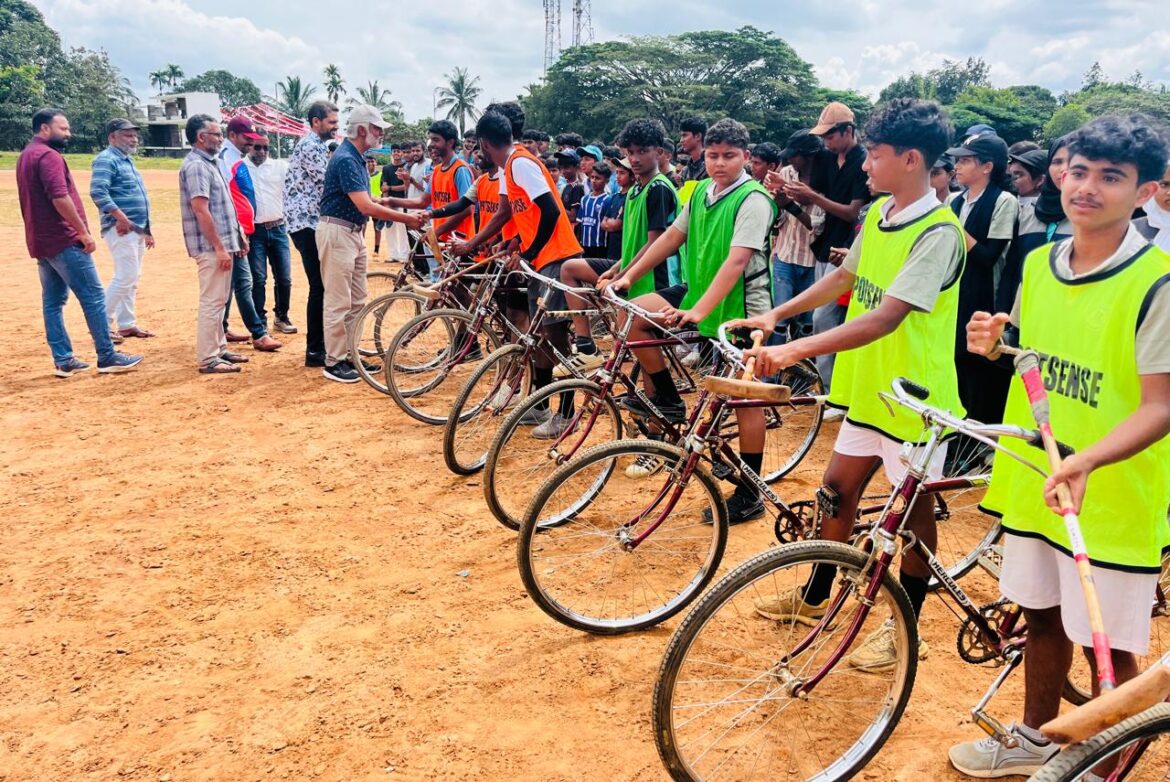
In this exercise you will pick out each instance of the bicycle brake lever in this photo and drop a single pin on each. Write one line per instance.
(882, 395)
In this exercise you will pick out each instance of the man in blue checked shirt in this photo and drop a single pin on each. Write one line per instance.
(120, 196)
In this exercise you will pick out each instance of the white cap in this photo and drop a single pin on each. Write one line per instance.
(365, 114)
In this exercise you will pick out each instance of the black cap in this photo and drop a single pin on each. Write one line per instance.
(802, 142)
(1035, 159)
(944, 161)
(119, 123)
(569, 155)
(985, 145)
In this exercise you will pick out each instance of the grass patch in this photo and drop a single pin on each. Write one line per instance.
(84, 161)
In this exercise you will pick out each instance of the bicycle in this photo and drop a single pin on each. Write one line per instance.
(516, 461)
(742, 696)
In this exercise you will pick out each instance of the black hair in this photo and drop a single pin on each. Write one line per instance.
(1133, 139)
(668, 145)
(45, 116)
(642, 133)
(444, 129)
(320, 109)
(195, 124)
(494, 128)
(573, 140)
(514, 113)
(550, 161)
(530, 135)
(469, 135)
(602, 169)
(695, 125)
(768, 152)
(1020, 147)
(910, 123)
(841, 127)
(418, 143)
(611, 151)
(728, 131)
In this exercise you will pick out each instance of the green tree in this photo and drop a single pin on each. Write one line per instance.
(158, 80)
(334, 84)
(21, 93)
(233, 90)
(400, 130)
(459, 97)
(1094, 77)
(293, 97)
(174, 74)
(1065, 120)
(1002, 109)
(748, 74)
(1119, 98)
(944, 83)
(377, 97)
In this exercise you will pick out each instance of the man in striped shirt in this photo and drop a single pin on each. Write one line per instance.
(593, 238)
(118, 192)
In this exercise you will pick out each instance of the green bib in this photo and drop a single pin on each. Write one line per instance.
(1086, 332)
(921, 349)
(376, 184)
(635, 231)
(709, 235)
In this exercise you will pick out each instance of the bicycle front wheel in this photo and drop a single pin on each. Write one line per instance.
(624, 553)
(495, 387)
(375, 327)
(730, 701)
(1138, 749)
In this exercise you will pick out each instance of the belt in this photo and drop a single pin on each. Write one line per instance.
(346, 224)
(271, 224)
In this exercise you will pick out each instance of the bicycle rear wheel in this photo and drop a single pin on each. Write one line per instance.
(378, 284)
(496, 386)
(518, 463)
(585, 570)
(726, 704)
(1139, 746)
(375, 327)
(430, 359)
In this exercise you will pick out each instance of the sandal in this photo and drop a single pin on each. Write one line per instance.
(219, 366)
(234, 358)
(134, 331)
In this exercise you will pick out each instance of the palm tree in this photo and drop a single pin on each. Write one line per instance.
(158, 79)
(378, 98)
(334, 84)
(173, 73)
(460, 94)
(292, 97)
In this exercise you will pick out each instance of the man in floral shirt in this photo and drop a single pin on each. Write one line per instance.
(303, 186)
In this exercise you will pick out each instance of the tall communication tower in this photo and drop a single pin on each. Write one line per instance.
(582, 28)
(582, 23)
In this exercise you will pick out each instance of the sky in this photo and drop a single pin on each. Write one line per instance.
(861, 45)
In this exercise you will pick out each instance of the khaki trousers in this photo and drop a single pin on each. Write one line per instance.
(215, 286)
(343, 273)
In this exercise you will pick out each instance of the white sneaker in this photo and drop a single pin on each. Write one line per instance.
(582, 362)
(535, 416)
(692, 359)
(551, 429)
(833, 414)
(503, 399)
(988, 759)
(878, 651)
(643, 467)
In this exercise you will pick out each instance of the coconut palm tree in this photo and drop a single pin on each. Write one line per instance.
(378, 98)
(460, 95)
(293, 97)
(174, 73)
(158, 79)
(334, 84)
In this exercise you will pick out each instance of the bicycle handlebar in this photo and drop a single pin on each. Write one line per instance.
(527, 270)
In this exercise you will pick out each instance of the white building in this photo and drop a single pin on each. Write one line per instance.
(166, 119)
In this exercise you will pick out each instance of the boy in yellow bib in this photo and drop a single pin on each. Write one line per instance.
(1097, 309)
(904, 269)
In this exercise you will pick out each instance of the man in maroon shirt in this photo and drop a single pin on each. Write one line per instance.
(58, 237)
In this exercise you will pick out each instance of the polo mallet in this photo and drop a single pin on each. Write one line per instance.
(432, 291)
(1028, 366)
(433, 242)
(749, 368)
(746, 386)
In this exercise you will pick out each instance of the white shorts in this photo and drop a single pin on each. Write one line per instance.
(1036, 575)
(853, 440)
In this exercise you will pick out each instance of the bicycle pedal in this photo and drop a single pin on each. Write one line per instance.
(722, 471)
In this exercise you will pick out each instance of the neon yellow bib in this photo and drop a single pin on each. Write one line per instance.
(921, 349)
(1085, 331)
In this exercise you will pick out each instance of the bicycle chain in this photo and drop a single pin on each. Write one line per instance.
(972, 646)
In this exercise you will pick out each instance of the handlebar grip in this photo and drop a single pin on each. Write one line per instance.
(1064, 449)
(920, 393)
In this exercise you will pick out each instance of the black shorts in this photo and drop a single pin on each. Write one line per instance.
(554, 298)
(515, 298)
(674, 295)
(595, 252)
(600, 265)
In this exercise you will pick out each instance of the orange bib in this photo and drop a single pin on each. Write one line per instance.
(526, 216)
(444, 192)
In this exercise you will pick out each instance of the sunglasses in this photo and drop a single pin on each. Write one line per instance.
(260, 146)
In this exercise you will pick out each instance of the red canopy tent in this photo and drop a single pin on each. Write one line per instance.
(270, 119)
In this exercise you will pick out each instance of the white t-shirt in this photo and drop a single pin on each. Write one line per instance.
(420, 171)
(528, 175)
(269, 182)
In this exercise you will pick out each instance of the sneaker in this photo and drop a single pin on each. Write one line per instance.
(988, 759)
(739, 509)
(504, 398)
(535, 416)
(341, 372)
(674, 412)
(121, 362)
(791, 607)
(582, 362)
(553, 428)
(692, 359)
(314, 360)
(833, 414)
(70, 367)
(682, 350)
(643, 467)
(284, 327)
(878, 653)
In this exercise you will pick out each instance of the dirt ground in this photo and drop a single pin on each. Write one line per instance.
(261, 576)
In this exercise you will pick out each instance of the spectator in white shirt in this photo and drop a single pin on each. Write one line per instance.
(270, 241)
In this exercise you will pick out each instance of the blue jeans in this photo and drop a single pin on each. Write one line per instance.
(73, 270)
(242, 285)
(790, 281)
(270, 246)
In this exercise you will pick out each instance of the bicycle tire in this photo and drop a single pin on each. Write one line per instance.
(379, 283)
(535, 538)
(1078, 759)
(469, 407)
(410, 399)
(377, 309)
(721, 613)
(497, 473)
